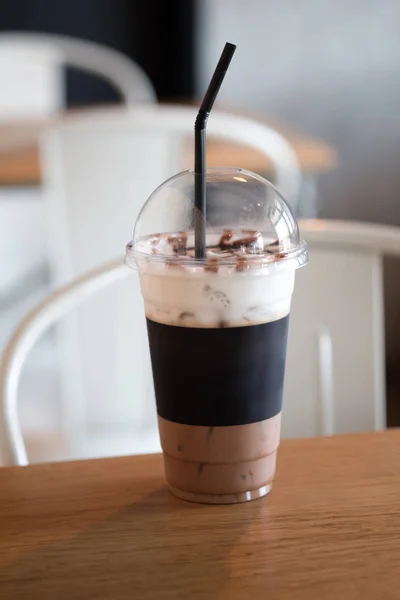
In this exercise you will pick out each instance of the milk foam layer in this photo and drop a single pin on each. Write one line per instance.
(244, 279)
(192, 297)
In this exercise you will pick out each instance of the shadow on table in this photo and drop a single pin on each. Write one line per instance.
(157, 547)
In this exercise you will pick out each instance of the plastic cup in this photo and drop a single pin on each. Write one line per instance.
(218, 329)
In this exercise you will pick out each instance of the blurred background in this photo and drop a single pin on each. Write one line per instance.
(325, 73)
(161, 38)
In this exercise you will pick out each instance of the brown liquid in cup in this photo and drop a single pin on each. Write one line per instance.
(220, 464)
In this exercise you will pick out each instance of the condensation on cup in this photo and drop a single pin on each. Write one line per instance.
(218, 329)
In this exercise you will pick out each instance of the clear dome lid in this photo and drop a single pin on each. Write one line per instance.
(248, 221)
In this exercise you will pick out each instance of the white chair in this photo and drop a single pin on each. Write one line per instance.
(335, 381)
(98, 171)
(335, 370)
(37, 321)
(31, 72)
(32, 87)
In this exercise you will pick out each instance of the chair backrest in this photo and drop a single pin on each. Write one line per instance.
(31, 328)
(335, 370)
(31, 74)
(335, 378)
(98, 171)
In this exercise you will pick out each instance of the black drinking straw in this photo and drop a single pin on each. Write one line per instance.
(200, 150)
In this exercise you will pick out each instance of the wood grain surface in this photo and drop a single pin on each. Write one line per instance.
(108, 529)
(19, 155)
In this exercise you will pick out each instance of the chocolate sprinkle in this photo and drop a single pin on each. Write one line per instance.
(212, 265)
(225, 239)
(242, 264)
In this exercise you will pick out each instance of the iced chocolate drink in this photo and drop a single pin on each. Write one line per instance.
(217, 332)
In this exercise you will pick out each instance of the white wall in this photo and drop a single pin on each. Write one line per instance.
(332, 69)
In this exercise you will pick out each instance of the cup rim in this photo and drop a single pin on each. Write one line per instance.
(295, 258)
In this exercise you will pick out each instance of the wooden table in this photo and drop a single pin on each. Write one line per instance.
(109, 529)
(19, 157)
